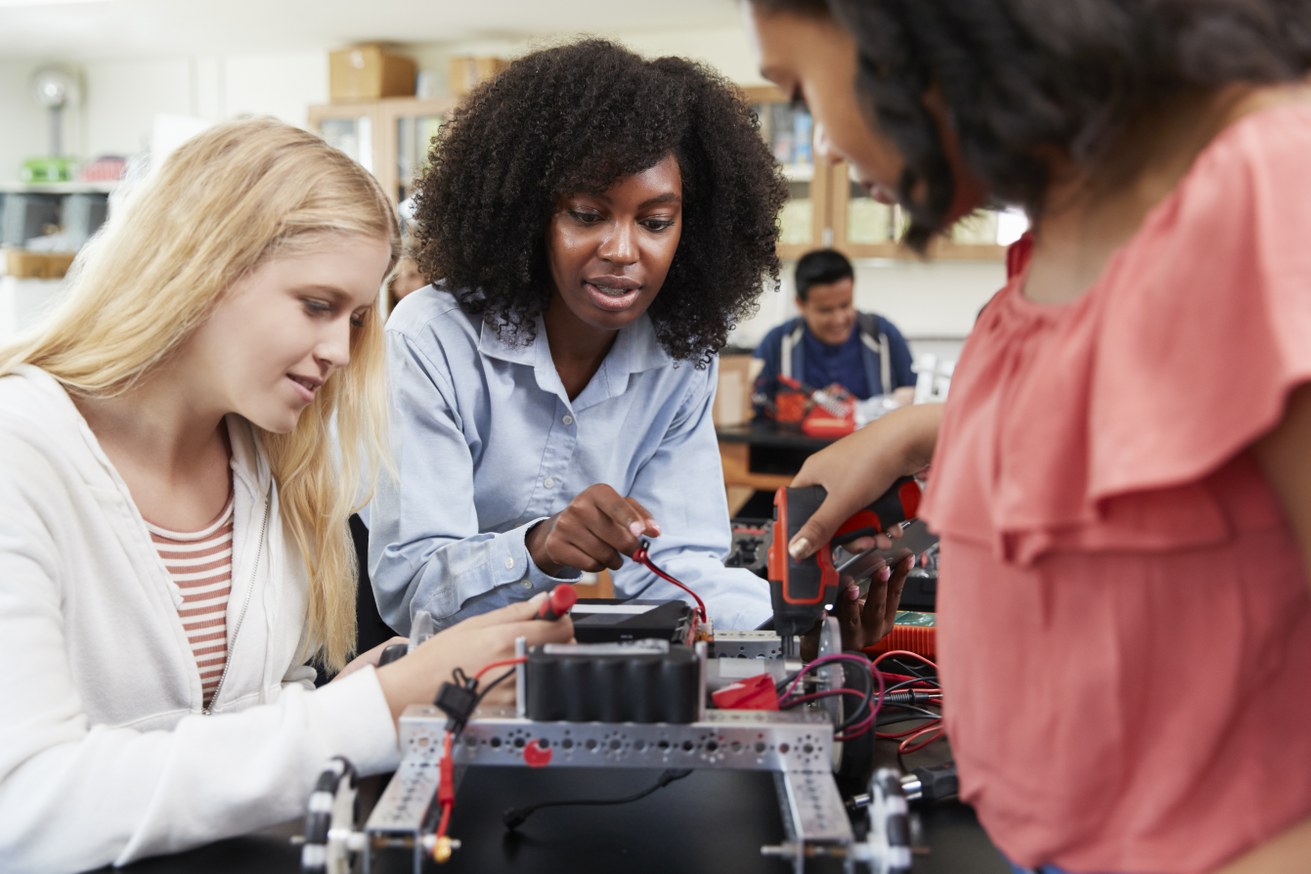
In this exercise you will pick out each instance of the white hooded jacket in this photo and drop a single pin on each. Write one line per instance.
(105, 754)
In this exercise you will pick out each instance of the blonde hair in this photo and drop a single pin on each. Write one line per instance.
(225, 202)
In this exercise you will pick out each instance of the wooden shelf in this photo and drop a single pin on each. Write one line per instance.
(57, 187)
(829, 189)
(376, 124)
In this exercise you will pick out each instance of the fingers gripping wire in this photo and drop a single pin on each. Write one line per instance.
(643, 556)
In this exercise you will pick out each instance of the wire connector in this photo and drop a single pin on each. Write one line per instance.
(457, 702)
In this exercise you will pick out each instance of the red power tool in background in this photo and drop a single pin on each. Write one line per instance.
(800, 590)
(819, 412)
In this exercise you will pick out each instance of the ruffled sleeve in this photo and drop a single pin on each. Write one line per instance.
(1210, 328)
(1121, 420)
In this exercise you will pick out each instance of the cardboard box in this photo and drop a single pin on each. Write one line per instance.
(467, 72)
(367, 72)
(737, 373)
(25, 264)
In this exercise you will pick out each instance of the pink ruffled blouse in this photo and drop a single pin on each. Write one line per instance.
(1125, 617)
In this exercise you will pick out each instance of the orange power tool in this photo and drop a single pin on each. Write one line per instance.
(801, 589)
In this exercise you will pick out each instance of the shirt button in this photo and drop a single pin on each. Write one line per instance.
(509, 563)
(527, 584)
(548, 483)
(568, 420)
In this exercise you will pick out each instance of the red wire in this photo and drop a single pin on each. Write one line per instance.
(934, 732)
(446, 782)
(643, 556)
(910, 732)
(934, 725)
(876, 703)
(445, 790)
(445, 821)
(895, 679)
(907, 654)
(502, 663)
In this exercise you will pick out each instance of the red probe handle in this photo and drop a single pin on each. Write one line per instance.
(558, 603)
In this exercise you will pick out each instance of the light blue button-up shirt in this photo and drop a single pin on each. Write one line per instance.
(487, 443)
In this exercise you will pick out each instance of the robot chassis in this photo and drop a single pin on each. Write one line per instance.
(797, 746)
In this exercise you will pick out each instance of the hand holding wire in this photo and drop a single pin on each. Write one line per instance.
(643, 556)
(596, 531)
(558, 603)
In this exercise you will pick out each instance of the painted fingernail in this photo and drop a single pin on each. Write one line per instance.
(637, 528)
(910, 562)
(653, 525)
(885, 573)
(853, 593)
(799, 548)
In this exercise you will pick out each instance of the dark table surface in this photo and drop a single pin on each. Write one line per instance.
(712, 821)
(772, 435)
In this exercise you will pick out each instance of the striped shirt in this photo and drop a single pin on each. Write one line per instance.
(200, 563)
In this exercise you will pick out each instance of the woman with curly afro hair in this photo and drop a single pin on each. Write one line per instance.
(594, 224)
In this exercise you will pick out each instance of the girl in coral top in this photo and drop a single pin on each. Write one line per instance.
(1120, 478)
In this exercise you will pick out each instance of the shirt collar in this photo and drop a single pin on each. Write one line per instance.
(636, 349)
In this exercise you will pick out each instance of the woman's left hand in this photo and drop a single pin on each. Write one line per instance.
(867, 620)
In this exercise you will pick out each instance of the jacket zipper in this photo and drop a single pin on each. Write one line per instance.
(241, 617)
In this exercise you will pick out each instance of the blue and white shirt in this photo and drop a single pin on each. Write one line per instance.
(487, 443)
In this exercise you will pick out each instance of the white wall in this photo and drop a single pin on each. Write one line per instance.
(279, 85)
(23, 123)
(122, 98)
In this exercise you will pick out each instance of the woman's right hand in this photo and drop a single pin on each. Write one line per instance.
(470, 644)
(596, 530)
(858, 468)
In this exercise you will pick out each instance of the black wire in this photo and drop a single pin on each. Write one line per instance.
(912, 682)
(920, 713)
(866, 703)
(478, 699)
(867, 694)
(916, 669)
(515, 816)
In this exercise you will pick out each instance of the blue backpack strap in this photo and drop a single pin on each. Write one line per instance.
(875, 348)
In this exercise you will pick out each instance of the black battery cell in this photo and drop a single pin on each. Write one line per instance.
(644, 681)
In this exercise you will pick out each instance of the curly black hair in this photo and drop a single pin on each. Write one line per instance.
(578, 118)
(1024, 78)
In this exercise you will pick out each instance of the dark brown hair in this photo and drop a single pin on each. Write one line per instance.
(1023, 78)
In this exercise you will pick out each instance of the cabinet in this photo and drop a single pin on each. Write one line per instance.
(827, 209)
(390, 137)
(55, 218)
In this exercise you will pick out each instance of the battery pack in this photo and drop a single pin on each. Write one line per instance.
(644, 681)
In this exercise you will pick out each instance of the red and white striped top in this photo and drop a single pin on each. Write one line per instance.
(200, 563)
